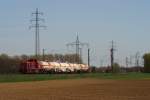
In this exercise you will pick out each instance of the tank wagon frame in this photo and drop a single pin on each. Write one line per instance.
(37, 66)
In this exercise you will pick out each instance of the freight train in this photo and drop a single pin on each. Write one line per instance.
(37, 66)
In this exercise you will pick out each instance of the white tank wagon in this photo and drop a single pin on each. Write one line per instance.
(65, 67)
(84, 67)
(55, 66)
(71, 67)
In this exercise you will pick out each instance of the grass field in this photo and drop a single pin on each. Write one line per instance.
(40, 77)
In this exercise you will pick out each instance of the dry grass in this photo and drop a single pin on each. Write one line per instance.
(77, 89)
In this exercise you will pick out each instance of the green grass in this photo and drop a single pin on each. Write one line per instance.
(41, 77)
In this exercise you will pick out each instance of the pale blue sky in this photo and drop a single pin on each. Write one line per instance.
(97, 22)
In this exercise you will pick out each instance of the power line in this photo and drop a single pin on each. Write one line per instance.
(37, 27)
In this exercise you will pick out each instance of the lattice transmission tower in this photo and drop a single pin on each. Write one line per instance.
(36, 25)
(78, 45)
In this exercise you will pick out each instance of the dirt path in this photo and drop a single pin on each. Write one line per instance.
(77, 89)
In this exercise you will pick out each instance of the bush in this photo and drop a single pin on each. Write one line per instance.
(116, 68)
(9, 64)
(147, 62)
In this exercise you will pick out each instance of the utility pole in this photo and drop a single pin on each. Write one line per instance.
(80, 49)
(43, 54)
(137, 57)
(78, 46)
(37, 27)
(112, 55)
(127, 62)
(130, 62)
(101, 63)
(88, 56)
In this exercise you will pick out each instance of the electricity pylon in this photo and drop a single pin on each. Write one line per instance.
(37, 27)
(78, 46)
